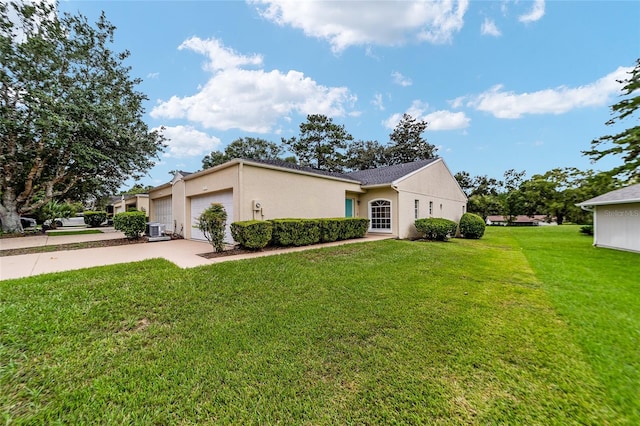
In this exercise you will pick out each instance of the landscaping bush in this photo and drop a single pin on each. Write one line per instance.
(94, 218)
(586, 229)
(355, 227)
(295, 232)
(438, 229)
(212, 223)
(342, 228)
(472, 226)
(252, 234)
(131, 223)
(52, 213)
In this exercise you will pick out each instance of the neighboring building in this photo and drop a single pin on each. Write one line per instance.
(126, 202)
(390, 197)
(616, 218)
(520, 220)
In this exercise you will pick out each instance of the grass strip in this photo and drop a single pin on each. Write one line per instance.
(597, 293)
(77, 232)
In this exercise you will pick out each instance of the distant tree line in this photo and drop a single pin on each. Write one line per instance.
(554, 193)
(325, 145)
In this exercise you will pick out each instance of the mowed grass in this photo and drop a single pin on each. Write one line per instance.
(597, 293)
(389, 332)
(74, 232)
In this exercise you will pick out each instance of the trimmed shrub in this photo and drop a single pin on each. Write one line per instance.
(355, 227)
(438, 229)
(131, 223)
(342, 228)
(94, 218)
(472, 226)
(586, 229)
(212, 223)
(295, 232)
(252, 234)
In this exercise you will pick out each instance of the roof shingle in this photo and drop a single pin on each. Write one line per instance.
(388, 174)
(629, 194)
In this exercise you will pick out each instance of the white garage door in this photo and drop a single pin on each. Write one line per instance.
(199, 204)
(162, 212)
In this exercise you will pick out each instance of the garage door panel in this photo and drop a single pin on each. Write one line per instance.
(199, 204)
(163, 212)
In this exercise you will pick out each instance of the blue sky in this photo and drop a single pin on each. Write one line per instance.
(503, 84)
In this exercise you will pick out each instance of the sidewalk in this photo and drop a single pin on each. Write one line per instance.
(183, 253)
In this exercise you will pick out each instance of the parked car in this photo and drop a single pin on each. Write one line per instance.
(27, 222)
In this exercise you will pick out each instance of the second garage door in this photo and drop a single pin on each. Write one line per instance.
(162, 211)
(199, 204)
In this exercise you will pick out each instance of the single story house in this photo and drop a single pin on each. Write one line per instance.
(138, 201)
(616, 218)
(520, 220)
(390, 197)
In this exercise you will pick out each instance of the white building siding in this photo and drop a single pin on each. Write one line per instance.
(618, 226)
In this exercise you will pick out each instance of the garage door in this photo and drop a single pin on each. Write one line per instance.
(199, 204)
(162, 212)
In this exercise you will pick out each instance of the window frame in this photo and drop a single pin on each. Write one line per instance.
(374, 222)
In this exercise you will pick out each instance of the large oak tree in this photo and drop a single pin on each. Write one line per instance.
(70, 116)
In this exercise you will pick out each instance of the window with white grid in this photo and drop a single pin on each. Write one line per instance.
(380, 215)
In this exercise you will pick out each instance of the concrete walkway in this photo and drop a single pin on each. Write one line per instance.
(184, 253)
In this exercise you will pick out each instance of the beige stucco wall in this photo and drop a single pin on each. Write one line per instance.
(617, 226)
(434, 184)
(283, 194)
(383, 193)
(139, 201)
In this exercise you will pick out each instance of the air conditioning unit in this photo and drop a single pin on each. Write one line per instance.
(155, 229)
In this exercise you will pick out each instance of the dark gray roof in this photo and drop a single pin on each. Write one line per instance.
(388, 174)
(287, 165)
(629, 194)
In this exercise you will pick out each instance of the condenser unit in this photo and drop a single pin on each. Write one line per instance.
(155, 229)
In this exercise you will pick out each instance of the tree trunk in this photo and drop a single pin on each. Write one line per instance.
(10, 217)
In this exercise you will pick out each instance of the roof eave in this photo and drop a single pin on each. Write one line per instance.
(300, 172)
(608, 203)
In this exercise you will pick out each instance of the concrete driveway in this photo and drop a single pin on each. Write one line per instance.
(183, 253)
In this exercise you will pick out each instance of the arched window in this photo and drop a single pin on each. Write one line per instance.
(380, 215)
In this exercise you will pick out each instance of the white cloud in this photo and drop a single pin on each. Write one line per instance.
(378, 102)
(251, 100)
(400, 79)
(489, 28)
(503, 104)
(437, 120)
(535, 14)
(185, 141)
(355, 23)
(220, 57)
(447, 120)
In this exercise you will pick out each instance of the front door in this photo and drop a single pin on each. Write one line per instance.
(348, 207)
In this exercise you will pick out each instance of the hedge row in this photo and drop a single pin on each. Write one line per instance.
(94, 218)
(439, 229)
(257, 234)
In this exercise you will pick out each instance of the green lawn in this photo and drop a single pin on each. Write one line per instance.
(525, 326)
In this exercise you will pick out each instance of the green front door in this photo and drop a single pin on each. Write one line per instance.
(348, 207)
